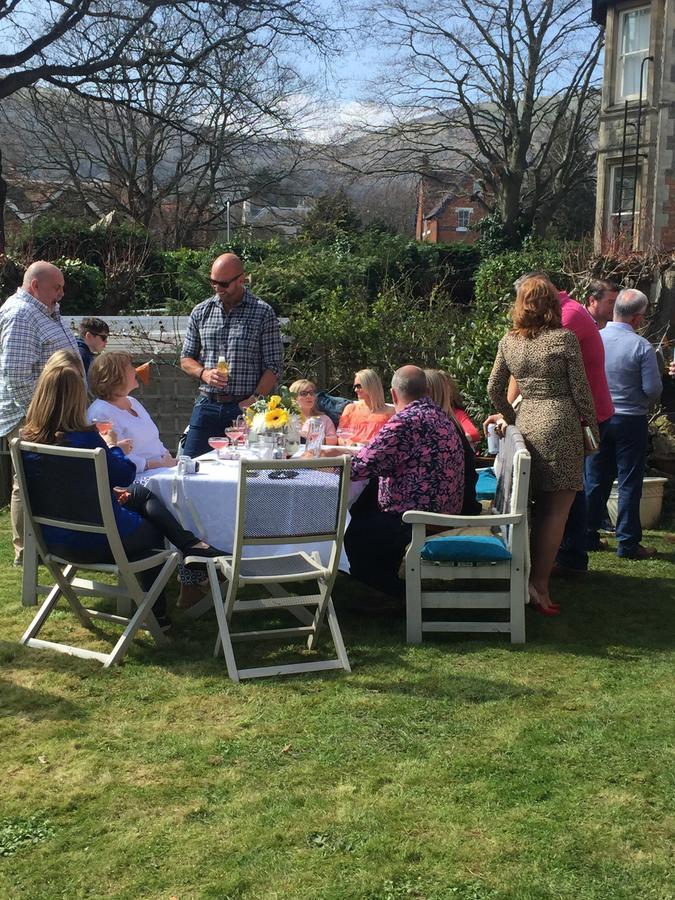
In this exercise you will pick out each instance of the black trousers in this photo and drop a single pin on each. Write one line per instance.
(375, 542)
(158, 523)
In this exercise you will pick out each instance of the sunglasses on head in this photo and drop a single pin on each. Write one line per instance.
(357, 387)
(224, 284)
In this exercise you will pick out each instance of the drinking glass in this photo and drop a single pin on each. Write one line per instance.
(218, 444)
(103, 425)
(236, 431)
(345, 436)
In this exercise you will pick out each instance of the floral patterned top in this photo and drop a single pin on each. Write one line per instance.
(419, 459)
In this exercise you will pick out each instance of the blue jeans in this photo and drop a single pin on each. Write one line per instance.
(208, 420)
(573, 553)
(622, 454)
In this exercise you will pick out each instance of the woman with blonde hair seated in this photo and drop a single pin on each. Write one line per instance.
(304, 392)
(364, 418)
(57, 415)
(112, 377)
(445, 393)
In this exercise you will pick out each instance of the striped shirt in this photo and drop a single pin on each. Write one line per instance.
(29, 335)
(248, 336)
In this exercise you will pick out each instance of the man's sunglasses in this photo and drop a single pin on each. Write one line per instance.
(357, 387)
(104, 337)
(224, 284)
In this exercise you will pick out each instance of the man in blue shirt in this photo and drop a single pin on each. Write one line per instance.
(237, 326)
(635, 383)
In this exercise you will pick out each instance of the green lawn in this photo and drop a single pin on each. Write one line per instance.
(462, 769)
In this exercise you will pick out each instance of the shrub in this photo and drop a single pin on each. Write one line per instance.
(347, 333)
(496, 274)
(84, 286)
(11, 276)
(472, 346)
(55, 237)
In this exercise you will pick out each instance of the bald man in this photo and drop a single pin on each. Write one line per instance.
(236, 325)
(30, 331)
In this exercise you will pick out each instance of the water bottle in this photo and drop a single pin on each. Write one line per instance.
(315, 436)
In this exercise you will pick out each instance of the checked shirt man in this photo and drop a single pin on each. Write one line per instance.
(234, 324)
(30, 332)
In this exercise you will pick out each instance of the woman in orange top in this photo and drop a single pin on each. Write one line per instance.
(364, 418)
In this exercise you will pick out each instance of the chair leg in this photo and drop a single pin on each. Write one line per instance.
(413, 603)
(223, 624)
(517, 607)
(42, 614)
(325, 590)
(143, 613)
(336, 634)
(63, 578)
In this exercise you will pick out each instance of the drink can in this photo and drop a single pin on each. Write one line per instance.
(492, 439)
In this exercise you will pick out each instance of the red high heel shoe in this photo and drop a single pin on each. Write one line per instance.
(553, 609)
(545, 610)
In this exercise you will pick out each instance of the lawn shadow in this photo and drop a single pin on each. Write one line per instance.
(35, 705)
(610, 611)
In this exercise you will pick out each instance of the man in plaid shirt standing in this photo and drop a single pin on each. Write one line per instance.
(30, 331)
(236, 325)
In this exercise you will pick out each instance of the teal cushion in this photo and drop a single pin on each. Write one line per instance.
(486, 486)
(465, 549)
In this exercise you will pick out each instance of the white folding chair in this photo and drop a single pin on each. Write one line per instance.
(502, 557)
(72, 491)
(284, 502)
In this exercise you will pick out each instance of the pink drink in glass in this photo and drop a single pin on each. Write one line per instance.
(218, 444)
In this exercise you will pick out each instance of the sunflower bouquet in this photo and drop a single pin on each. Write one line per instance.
(272, 413)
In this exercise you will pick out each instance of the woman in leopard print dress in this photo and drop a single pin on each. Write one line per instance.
(545, 360)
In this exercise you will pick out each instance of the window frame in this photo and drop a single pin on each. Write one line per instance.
(613, 215)
(620, 57)
(469, 212)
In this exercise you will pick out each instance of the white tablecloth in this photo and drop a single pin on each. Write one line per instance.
(205, 503)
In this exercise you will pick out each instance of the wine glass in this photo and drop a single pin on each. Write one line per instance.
(218, 444)
(236, 431)
(345, 436)
(102, 424)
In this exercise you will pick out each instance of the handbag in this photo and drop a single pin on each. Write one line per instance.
(590, 443)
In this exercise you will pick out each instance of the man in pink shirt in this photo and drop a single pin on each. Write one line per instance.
(573, 556)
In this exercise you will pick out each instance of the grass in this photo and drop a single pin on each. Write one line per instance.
(462, 769)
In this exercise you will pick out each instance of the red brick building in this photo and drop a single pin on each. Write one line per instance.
(448, 208)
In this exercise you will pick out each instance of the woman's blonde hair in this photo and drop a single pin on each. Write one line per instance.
(108, 374)
(303, 384)
(372, 385)
(537, 307)
(59, 404)
(443, 390)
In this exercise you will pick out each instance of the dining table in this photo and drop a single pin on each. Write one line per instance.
(205, 503)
